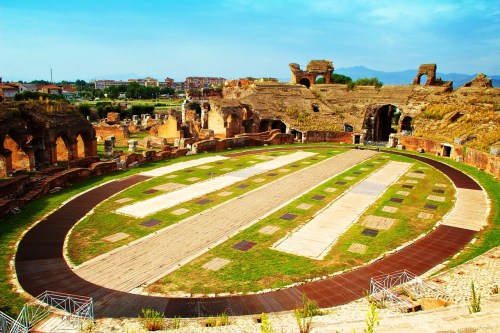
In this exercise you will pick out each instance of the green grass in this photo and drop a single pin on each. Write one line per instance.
(489, 237)
(86, 240)
(261, 267)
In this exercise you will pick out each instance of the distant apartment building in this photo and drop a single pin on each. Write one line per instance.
(198, 82)
(52, 89)
(103, 84)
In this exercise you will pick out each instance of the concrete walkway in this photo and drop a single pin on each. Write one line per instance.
(470, 211)
(154, 256)
(316, 238)
(181, 165)
(171, 199)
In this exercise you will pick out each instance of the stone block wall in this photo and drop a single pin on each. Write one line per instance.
(105, 130)
(484, 161)
(83, 162)
(13, 186)
(327, 136)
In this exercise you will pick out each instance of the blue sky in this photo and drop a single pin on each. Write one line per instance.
(239, 38)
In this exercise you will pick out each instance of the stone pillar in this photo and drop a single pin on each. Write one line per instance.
(51, 148)
(73, 150)
(108, 146)
(132, 146)
(5, 163)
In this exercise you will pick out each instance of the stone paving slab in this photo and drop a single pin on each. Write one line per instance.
(224, 194)
(403, 193)
(349, 178)
(412, 181)
(171, 176)
(330, 189)
(181, 165)
(216, 264)
(193, 179)
(304, 206)
(205, 167)
(437, 198)
(284, 170)
(226, 169)
(123, 200)
(180, 211)
(416, 175)
(152, 257)
(389, 209)
(269, 230)
(424, 215)
(116, 237)
(378, 222)
(316, 238)
(167, 200)
(169, 187)
(259, 180)
(440, 185)
(357, 248)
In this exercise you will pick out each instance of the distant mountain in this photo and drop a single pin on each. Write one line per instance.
(406, 77)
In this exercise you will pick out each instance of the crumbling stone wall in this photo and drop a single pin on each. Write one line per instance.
(480, 81)
(34, 134)
(104, 130)
(430, 71)
(314, 69)
(327, 136)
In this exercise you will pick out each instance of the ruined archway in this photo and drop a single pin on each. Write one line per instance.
(428, 70)
(19, 156)
(62, 149)
(305, 82)
(378, 122)
(278, 124)
(405, 125)
(80, 147)
(84, 145)
(348, 128)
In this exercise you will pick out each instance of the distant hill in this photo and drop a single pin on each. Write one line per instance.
(406, 77)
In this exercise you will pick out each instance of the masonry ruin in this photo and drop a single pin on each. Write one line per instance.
(314, 69)
(33, 140)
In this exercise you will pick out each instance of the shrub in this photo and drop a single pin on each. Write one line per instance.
(84, 109)
(372, 319)
(152, 320)
(305, 313)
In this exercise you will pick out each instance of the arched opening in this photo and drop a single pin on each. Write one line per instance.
(315, 107)
(406, 127)
(320, 79)
(446, 150)
(20, 159)
(265, 125)
(62, 151)
(297, 135)
(305, 82)
(348, 128)
(379, 122)
(422, 79)
(80, 147)
(278, 124)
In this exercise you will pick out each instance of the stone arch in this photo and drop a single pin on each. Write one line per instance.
(19, 156)
(278, 124)
(305, 82)
(84, 144)
(405, 124)
(378, 122)
(428, 70)
(320, 79)
(348, 128)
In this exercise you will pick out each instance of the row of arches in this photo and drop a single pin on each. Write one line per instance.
(33, 145)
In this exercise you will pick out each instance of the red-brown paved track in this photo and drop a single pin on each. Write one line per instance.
(40, 265)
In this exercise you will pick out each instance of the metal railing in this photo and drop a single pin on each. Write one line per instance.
(9, 325)
(76, 309)
(390, 289)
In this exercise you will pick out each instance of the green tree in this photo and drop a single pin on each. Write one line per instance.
(340, 79)
(364, 81)
(112, 92)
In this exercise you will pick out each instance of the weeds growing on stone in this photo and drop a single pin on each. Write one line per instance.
(305, 313)
(152, 320)
(372, 319)
(475, 302)
(265, 324)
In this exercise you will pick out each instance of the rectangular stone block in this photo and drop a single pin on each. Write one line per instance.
(116, 237)
(123, 200)
(180, 211)
(436, 198)
(357, 248)
(389, 209)
(216, 264)
(304, 206)
(269, 230)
